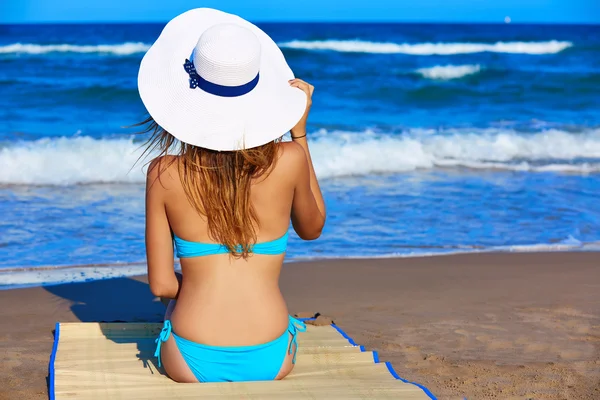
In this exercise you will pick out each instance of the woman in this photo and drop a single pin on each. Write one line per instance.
(220, 95)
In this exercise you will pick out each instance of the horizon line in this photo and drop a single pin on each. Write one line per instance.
(429, 22)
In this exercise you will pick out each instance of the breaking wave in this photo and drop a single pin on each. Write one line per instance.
(121, 49)
(83, 160)
(427, 49)
(445, 72)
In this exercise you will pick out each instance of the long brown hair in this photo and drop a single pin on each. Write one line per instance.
(217, 184)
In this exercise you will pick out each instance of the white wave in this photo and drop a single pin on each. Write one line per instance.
(351, 153)
(427, 49)
(445, 72)
(350, 46)
(27, 277)
(66, 161)
(121, 49)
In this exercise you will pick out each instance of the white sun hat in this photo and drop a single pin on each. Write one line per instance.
(216, 81)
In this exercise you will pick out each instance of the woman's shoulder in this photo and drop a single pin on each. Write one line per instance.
(292, 155)
(293, 161)
(163, 167)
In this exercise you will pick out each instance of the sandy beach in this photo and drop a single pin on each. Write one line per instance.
(477, 326)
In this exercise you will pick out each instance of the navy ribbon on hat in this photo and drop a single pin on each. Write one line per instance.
(196, 81)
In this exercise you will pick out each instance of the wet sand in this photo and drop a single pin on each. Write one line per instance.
(477, 326)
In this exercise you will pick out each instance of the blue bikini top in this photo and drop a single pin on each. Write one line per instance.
(187, 249)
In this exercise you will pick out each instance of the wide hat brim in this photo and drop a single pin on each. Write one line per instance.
(206, 120)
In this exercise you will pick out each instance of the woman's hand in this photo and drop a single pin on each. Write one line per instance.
(300, 129)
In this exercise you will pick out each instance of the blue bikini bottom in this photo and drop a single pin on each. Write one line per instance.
(234, 364)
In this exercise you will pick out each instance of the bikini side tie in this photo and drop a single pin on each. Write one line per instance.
(294, 327)
(163, 337)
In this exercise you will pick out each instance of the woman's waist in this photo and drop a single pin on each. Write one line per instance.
(235, 321)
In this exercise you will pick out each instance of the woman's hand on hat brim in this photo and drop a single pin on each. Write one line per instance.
(300, 128)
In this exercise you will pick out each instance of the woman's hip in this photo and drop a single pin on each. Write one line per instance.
(231, 324)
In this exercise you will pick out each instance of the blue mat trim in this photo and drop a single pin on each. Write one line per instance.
(395, 375)
(348, 338)
(375, 357)
(51, 393)
(387, 364)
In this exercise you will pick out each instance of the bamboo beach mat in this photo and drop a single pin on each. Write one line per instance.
(116, 361)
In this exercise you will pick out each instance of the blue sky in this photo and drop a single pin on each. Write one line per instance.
(546, 11)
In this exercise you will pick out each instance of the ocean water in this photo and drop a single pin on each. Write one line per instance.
(428, 139)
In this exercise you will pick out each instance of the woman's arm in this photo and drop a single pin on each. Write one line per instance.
(159, 242)
(308, 208)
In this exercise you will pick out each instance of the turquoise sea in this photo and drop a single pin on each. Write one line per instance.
(427, 139)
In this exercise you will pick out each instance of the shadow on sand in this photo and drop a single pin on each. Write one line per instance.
(116, 300)
(111, 300)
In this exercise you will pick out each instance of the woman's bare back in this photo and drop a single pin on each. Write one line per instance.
(224, 301)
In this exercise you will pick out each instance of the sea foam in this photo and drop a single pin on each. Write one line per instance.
(350, 46)
(82, 160)
(75, 160)
(121, 49)
(445, 72)
(427, 49)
